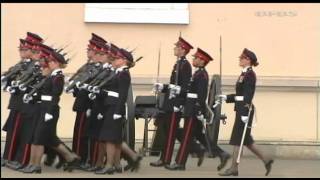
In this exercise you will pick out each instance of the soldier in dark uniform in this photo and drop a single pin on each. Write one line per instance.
(48, 95)
(245, 89)
(180, 76)
(195, 107)
(102, 55)
(114, 115)
(29, 112)
(13, 123)
(82, 106)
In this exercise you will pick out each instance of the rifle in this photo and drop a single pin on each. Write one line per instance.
(25, 76)
(28, 97)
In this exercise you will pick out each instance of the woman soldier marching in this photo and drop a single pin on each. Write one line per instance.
(245, 89)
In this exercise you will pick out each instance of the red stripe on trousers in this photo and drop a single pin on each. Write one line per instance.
(14, 134)
(185, 142)
(26, 154)
(79, 133)
(171, 138)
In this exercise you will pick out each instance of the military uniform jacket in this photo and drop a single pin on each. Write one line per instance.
(117, 90)
(50, 92)
(15, 102)
(82, 102)
(245, 89)
(184, 76)
(197, 94)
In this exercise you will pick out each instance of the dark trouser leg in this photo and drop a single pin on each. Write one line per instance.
(14, 139)
(185, 145)
(171, 137)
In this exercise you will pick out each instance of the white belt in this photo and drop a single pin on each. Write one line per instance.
(192, 95)
(238, 98)
(112, 93)
(46, 98)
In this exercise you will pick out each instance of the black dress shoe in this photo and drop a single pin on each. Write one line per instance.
(158, 163)
(136, 164)
(175, 167)
(224, 157)
(229, 172)
(32, 169)
(72, 165)
(200, 157)
(61, 162)
(3, 162)
(105, 170)
(14, 165)
(268, 166)
(118, 169)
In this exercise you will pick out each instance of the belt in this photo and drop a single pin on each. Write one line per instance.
(46, 98)
(192, 95)
(114, 94)
(238, 98)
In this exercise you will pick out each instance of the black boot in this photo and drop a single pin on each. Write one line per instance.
(32, 169)
(229, 172)
(106, 170)
(224, 157)
(158, 163)
(268, 166)
(175, 167)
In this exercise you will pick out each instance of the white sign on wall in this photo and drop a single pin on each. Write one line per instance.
(162, 13)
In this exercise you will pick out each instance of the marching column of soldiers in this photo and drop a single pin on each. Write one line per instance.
(100, 88)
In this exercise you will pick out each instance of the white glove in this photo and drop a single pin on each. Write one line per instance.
(27, 98)
(223, 97)
(71, 91)
(100, 116)
(88, 113)
(84, 86)
(176, 89)
(244, 119)
(2, 77)
(70, 82)
(47, 117)
(11, 90)
(176, 109)
(78, 84)
(116, 116)
(158, 87)
(200, 117)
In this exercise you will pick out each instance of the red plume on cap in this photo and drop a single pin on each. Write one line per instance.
(203, 55)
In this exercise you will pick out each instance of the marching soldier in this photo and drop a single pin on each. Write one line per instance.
(114, 115)
(82, 106)
(48, 92)
(180, 77)
(195, 109)
(13, 123)
(245, 89)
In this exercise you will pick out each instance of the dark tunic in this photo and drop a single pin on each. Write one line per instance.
(45, 131)
(245, 89)
(115, 103)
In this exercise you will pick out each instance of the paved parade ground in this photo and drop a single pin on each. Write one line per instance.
(249, 167)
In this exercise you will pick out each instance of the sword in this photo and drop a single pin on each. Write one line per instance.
(243, 134)
(158, 71)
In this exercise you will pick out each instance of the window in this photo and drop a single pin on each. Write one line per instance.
(163, 13)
